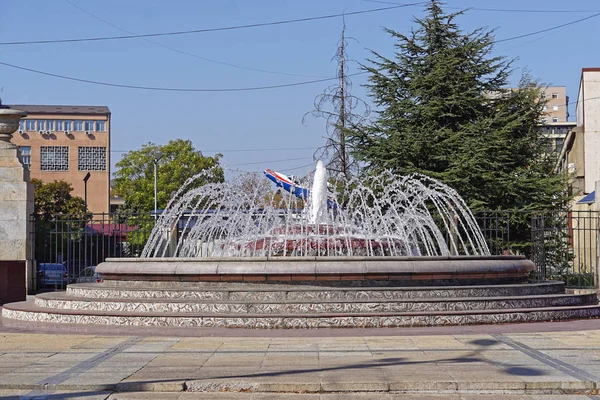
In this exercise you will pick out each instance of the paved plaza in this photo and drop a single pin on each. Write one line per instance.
(552, 360)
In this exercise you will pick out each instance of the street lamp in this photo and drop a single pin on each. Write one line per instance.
(85, 179)
(157, 158)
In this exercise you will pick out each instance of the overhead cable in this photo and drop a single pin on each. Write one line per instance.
(186, 53)
(205, 30)
(171, 89)
(513, 10)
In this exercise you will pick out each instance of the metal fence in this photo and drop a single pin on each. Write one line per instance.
(563, 245)
(65, 245)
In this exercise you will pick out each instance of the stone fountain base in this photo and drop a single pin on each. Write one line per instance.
(323, 271)
(290, 293)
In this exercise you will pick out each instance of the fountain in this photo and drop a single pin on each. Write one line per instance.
(384, 252)
(384, 216)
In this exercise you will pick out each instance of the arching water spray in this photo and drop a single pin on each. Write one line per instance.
(384, 215)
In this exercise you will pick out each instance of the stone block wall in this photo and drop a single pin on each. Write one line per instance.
(16, 207)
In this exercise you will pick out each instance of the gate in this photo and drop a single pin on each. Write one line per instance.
(565, 246)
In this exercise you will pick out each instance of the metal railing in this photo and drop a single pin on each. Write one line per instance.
(67, 244)
(562, 244)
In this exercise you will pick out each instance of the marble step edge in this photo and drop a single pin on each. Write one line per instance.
(241, 308)
(18, 312)
(100, 290)
(589, 298)
(31, 307)
(250, 287)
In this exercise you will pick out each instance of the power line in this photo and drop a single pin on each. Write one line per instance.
(547, 29)
(295, 168)
(271, 161)
(236, 150)
(185, 52)
(226, 28)
(518, 10)
(169, 89)
(515, 10)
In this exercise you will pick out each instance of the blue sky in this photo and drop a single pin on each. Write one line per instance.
(240, 124)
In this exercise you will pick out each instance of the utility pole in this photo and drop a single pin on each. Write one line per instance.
(336, 105)
(342, 119)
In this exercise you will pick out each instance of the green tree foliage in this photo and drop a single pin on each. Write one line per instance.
(55, 198)
(179, 160)
(444, 111)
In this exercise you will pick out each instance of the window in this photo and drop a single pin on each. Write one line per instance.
(554, 108)
(544, 120)
(92, 159)
(100, 126)
(30, 124)
(559, 144)
(89, 126)
(50, 125)
(22, 125)
(555, 119)
(54, 158)
(25, 152)
(41, 125)
(59, 125)
(555, 95)
(68, 125)
(78, 126)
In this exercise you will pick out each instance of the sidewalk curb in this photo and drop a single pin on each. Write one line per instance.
(423, 387)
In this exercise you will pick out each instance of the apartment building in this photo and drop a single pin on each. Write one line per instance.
(554, 125)
(66, 143)
(580, 155)
(557, 107)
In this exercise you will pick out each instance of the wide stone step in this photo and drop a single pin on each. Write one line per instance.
(283, 292)
(28, 311)
(59, 300)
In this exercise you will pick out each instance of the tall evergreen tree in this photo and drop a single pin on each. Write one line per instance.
(444, 111)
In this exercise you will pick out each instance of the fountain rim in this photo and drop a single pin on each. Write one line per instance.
(366, 270)
(316, 258)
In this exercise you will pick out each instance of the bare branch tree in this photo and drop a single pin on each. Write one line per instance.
(336, 105)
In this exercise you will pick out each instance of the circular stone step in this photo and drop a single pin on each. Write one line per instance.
(59, 300)
(283, 292)
(26, 311)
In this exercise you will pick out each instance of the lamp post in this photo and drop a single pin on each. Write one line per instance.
(85, 180)
(157, 158)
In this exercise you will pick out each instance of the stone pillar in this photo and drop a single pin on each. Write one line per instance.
(16, 203)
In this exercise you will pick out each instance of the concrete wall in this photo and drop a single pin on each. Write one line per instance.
(16, 206)
(590, 106)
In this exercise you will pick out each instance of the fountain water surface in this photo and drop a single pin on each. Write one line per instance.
(383, 215)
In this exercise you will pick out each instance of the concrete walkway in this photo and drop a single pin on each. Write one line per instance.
(451, 366)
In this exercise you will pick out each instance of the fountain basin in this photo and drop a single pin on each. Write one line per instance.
(324, 271)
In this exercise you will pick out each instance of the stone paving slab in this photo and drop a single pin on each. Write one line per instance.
(457, 366)
(100, 395)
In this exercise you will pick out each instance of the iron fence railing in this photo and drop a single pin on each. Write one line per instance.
(64, 245)
(562, 244)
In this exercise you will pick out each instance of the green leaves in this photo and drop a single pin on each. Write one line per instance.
(176, 162)
(54, 198)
